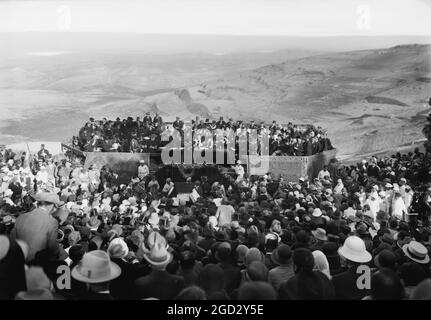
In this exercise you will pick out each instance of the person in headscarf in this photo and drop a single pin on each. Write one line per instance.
(321, 263)
(339, 187)
(306, 283)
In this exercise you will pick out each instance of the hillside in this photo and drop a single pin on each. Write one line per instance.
(46, 95)
(368, 100)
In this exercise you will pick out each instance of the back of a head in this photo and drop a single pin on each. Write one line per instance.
(257, 290)
(422, 291)
(211, 278)
(302, 236)
(386, 259)
(386, 285)
(191, 293)
(311, 285)
(76, 252)
(257, 271)
(411, 273)
(303, 260)
(187, 260)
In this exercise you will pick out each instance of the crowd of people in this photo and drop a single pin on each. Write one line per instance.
(136, 135)
(243, 237)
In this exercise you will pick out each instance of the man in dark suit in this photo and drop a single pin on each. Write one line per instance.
(120, 287)
(159, 284)
(232, 274)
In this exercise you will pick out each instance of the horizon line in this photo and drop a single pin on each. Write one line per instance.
(215, 34)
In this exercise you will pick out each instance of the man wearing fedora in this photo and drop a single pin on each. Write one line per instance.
(38, 228)
(96, 270)
(320, 236)
(282, 257)
(354, 254)
(159, 284)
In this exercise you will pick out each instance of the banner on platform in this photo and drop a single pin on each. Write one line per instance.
(290, 168)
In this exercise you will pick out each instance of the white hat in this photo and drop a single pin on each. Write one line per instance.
(96, 267)
(118, 248)
(158, 254)
(49, 197)
(354, 250)
(317, 212)
(403, 179)
(154, 219)
(417, 252)
(320, 234)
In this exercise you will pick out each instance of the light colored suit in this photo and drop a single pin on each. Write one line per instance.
(39, 230)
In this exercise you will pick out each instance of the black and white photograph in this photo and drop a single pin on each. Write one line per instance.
(231, 151)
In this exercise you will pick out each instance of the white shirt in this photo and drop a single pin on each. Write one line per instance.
(374, 205)
(323, 173)
(398, 207)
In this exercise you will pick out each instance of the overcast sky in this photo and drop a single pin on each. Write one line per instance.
(223, 17)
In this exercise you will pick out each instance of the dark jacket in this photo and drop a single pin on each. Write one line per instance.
(120, 287)
(232, 276)
(312, 285)
(12, 272)
(158, 284)
(346, 287)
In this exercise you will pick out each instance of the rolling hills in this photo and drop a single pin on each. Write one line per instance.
(368, 100)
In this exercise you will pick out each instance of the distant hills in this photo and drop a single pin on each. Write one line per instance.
(368, 100)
